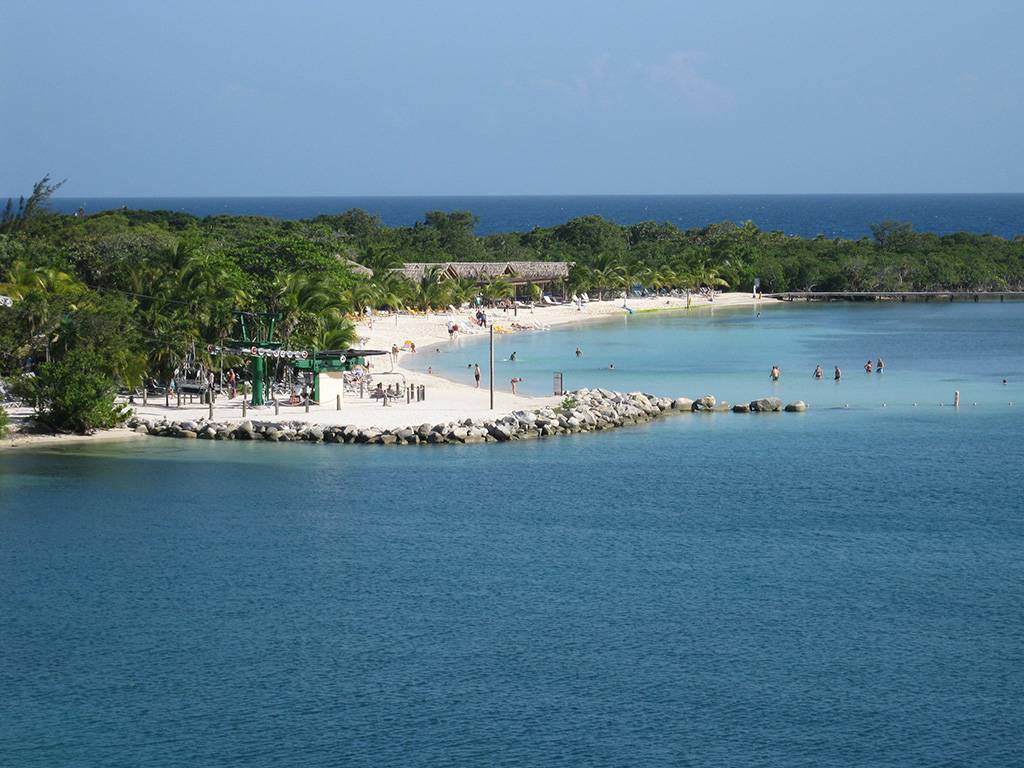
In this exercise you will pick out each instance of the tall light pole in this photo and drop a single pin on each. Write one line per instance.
(492, 365)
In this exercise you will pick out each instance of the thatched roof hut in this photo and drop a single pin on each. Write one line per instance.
(515, 272)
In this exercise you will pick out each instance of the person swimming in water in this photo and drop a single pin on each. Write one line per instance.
(818, 373)
(512, 357)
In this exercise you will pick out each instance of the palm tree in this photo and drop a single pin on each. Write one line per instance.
(463, 290)
(497, 289)
(429, 292)
(47, 294)
(330, 330)
(709, 276)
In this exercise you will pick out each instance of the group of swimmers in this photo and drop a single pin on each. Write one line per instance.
(869, 367)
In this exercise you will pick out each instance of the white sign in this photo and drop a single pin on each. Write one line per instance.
(6, 301)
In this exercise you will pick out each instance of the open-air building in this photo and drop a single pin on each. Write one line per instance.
(520, 274)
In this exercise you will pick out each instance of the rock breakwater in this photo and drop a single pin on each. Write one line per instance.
(585, 410)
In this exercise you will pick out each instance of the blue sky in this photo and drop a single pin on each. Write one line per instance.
(392, 98)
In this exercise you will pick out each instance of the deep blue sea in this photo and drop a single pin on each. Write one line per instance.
(848, 216)
(842, 587)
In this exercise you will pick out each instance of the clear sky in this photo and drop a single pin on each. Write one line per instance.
(317, 97)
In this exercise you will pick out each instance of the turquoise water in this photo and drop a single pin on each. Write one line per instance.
(841, 587)
(930, 351)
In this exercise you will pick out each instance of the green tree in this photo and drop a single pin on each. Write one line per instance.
(74, 394)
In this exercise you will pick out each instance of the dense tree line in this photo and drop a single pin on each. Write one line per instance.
(125, 295)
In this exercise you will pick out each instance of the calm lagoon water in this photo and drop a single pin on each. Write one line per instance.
(930, 350)
(841, 587)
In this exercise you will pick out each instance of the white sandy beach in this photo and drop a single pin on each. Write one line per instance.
(445, 401)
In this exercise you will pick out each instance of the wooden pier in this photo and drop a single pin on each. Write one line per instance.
(897, 295)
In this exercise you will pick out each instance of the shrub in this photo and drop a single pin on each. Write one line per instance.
(74, 394)
(4, 422)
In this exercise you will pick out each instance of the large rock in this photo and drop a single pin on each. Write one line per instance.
(705, 403)
(797, 406)
(741, 408)
(499, 432)
(766, 404)
(682, 404)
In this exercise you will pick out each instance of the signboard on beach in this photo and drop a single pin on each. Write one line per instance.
(6, 301)
(558, 383)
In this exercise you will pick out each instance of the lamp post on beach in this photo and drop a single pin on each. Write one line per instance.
(492, 366)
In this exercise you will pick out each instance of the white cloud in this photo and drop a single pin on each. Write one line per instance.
(679, 79)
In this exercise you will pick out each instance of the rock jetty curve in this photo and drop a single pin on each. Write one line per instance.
(584, 410)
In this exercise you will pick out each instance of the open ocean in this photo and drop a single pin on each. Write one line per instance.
(847, 216)
(842, 587)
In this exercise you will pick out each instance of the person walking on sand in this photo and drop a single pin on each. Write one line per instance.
(818, 373)
(232, 383)
(515, 381)
(476, 374)
(838, 374)
(394, 353)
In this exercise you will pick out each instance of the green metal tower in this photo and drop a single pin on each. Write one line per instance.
(257, 330)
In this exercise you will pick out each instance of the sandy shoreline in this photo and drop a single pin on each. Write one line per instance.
(446, 400)
(34, 440)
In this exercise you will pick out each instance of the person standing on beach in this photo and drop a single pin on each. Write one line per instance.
(232, 383)
(515, 381)
(476, 374)
(394, 353)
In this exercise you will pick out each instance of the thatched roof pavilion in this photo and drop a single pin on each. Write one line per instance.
(515, 272)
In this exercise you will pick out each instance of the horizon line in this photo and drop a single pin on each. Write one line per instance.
(522, 195)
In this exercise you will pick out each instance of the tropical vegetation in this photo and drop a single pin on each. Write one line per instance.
(132, 295)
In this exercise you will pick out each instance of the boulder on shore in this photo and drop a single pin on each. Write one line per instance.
(797, 406)
(705, 403)
(766, 404)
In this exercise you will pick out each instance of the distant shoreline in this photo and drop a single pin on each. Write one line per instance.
(846, 215)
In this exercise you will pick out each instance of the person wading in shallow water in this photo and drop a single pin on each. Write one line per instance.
(818, 373)
(476, 374)
(839, 373)
(867, 367)
(776, 373)
(579, 352)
